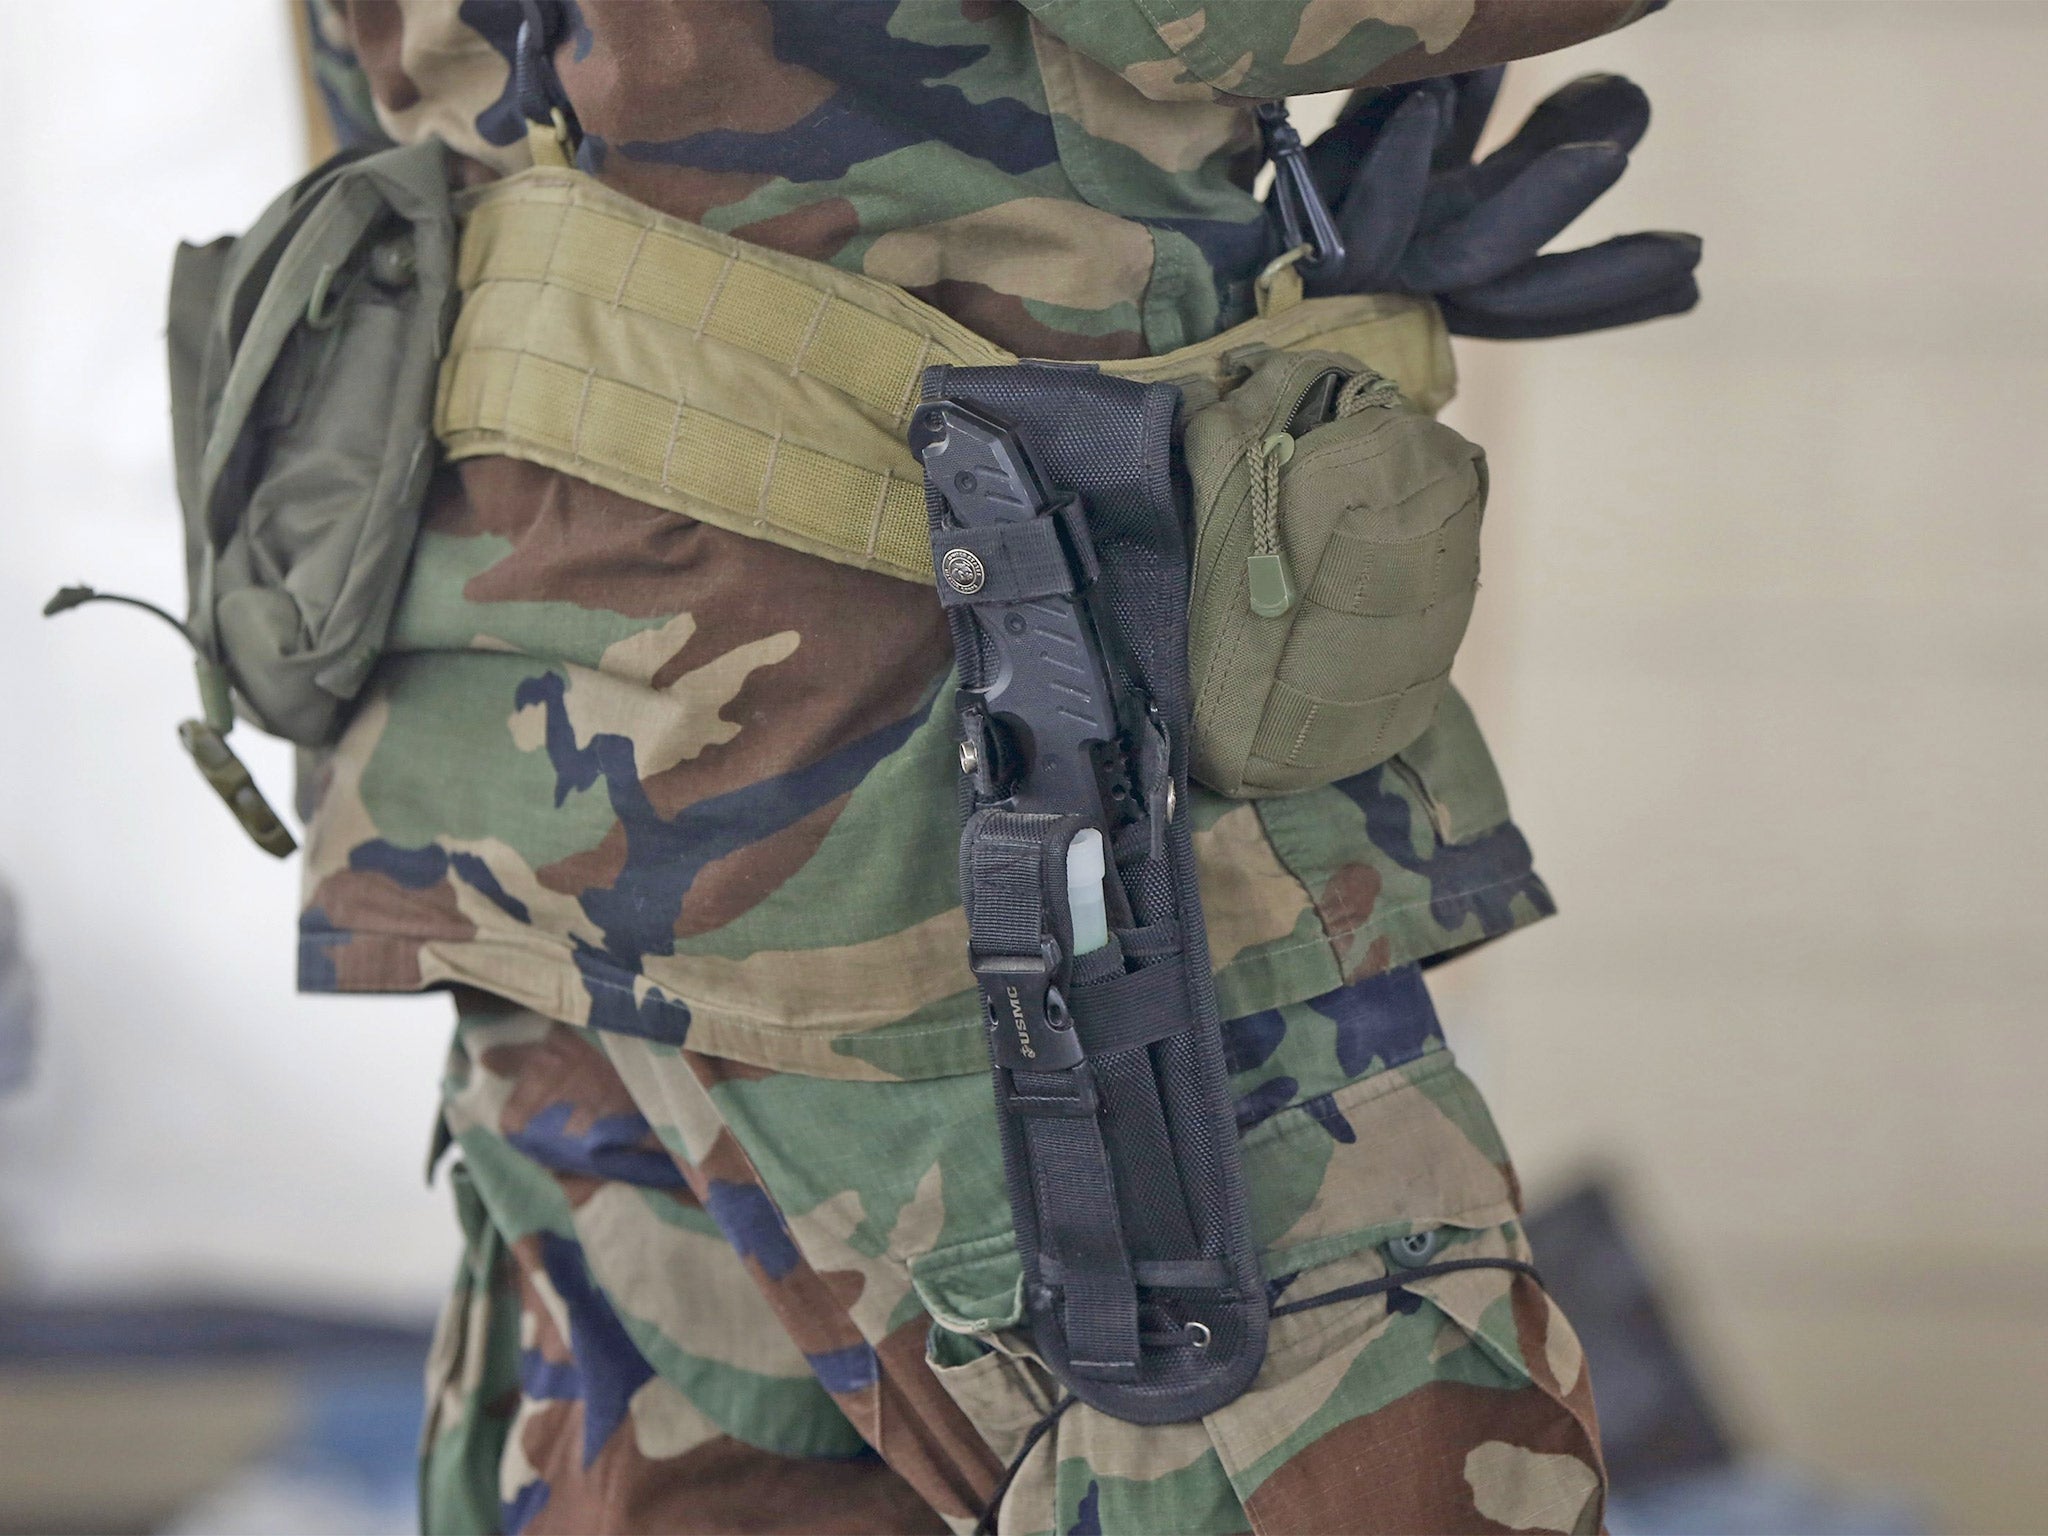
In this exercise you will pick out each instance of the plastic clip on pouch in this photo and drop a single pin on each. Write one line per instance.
(1058, 542)
(303, 361)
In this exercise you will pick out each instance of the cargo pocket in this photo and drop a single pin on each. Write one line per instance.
(472, 1380)
(1455, 1400)
(974, 1291)
(998, 1381)
(1407, 1148)
(1417, 1376)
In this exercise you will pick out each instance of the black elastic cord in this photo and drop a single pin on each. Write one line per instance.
(986, 1525)
(1393, 1280)
(77, 597)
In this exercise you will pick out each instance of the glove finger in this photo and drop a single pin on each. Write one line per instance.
(1472, 97)
(1501, 232)
(1609, 107)
(1334, 154)
(1377, 217)
(1614, 274)
(1594, 109)
(1673, 299)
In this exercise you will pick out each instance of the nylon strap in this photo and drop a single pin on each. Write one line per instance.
(1132, 1009)
(1012, 563)
(1006, 861)
(1004, 873)
(754, 390)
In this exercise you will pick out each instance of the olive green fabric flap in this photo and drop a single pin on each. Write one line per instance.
(1336, 560)
(1450, 766)
(303, 358)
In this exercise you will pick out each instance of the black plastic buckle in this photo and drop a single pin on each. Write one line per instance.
(1029, 1027)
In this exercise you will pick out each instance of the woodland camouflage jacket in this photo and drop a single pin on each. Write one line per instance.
(641, 773)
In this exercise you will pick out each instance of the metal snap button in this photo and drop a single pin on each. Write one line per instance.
(393, 263)
(963, 572)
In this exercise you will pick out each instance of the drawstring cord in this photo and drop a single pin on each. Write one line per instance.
(986, 1525)
(1364, 390)
(204, 740)
(68, 598)
(1271, 584)
(1394, 1279)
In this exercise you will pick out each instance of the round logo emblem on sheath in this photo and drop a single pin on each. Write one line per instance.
(963, 571)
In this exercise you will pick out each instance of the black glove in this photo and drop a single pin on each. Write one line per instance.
(1417, 216)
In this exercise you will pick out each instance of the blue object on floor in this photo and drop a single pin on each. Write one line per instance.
(343, 1465)
(345, 1469)
(1758, 1499)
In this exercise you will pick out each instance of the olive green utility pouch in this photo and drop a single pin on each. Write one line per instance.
(1336, 560)
(303, 362)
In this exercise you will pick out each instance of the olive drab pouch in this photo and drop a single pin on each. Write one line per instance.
(303, 362)
(1336, 560)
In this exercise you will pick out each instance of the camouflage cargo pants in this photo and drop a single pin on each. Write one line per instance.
(700, 1296)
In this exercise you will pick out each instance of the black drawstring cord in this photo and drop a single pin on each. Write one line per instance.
(68, 598)
(1394, 1279)
(986, 1525)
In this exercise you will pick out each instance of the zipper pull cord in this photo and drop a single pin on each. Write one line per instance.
(1365, 390)
(1304, 216)
(1271, 585)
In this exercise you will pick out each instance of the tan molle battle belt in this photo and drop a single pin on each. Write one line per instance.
(758, 391)
(745, 388)
(770, 396)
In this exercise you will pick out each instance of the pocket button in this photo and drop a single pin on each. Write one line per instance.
(1415, 1250)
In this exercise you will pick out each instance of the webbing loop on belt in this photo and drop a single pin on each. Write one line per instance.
(755, 390)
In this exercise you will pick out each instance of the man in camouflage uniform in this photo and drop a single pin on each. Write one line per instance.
(671, 810)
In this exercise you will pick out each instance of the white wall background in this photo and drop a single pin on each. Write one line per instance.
(1764, 649)
(195, 1123)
